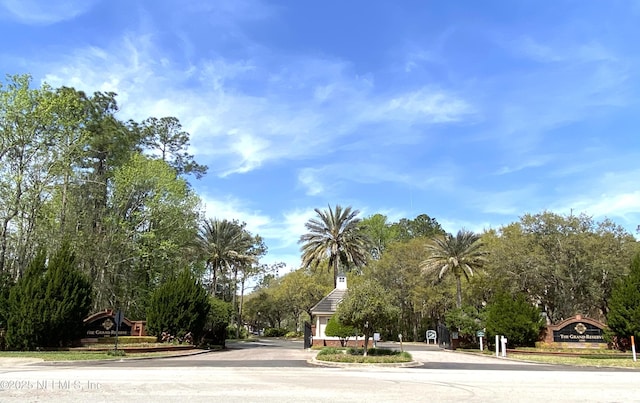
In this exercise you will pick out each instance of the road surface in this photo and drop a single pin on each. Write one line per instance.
(279, 371)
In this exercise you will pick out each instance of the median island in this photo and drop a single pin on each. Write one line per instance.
(356, 356)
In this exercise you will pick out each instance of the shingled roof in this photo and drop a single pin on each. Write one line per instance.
(329, 304)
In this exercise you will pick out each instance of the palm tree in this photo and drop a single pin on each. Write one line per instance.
(226, 246)
(334, 235)
(460, 255)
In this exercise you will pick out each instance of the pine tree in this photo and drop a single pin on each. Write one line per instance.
(623, 319)
(24, 320)
(178, 306)
(47, 305)
(68, 293)
(515, 318)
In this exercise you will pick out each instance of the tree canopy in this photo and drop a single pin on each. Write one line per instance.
(367, 306)
(623, 318)
(335, 237)
(459, 255)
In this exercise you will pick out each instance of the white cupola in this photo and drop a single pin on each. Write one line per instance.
(341, 282)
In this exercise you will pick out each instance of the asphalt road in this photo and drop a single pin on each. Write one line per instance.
(279, 371)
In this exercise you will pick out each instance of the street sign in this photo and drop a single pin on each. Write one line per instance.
(119, 318)
(480, 333)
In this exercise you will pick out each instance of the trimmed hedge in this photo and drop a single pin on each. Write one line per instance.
(128, 340)
(354, 356)
(275, 332)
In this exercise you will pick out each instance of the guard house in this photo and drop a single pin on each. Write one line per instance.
(323, 311)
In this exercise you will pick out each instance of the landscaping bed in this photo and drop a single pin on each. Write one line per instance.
(575, 357)
(355, 356)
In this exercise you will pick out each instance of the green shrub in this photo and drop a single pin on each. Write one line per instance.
(515, 318)
(178, 306)
(6, 283)
(329, 351)
(47, 305)
(373, 351)
(116, 353)
(400, 357)
(274, 332)
(128, 340)
(215, 330)
(292, 335)
(623, 319)
(232, 329)
(335, 328)
(466, 320)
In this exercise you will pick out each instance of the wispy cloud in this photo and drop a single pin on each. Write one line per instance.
(611, 194)
(244, 116)
(36, 12)
(232, 208)
(282, 231)
(535, 161)
(330, 180)
(555, 52)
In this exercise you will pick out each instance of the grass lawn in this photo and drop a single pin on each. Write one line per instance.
(581, 357)
(75, 355)
(587, 360)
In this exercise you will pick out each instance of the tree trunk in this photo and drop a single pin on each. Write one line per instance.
(335, 274)
(233, 302)
(214, 280)
(458, 292)
(366, 343)
(241, 300)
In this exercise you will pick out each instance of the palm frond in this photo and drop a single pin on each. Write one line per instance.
(335, 237)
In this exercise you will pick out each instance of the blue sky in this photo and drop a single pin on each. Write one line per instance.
(473, 112)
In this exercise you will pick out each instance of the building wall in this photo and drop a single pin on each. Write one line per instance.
(322, 326)
(335, 342)
(322, 340)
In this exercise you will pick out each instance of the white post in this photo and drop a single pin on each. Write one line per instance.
(633, 348)
(480, 343)
(497, 346)
(504, 345)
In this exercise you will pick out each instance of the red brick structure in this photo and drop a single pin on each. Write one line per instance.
(576, 332)
(102, 324)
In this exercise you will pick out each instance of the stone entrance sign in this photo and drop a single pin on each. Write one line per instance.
(103, 324)
(577, 332)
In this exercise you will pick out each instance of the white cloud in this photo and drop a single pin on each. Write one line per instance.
(46, 12)
(327, 178)
(282, 233)
(617, 205)
(424, 105)
(231, 208)
(243, 116)
(536, 161)
(452, 225)
(611, 194)
(554, 52)
(310, 178)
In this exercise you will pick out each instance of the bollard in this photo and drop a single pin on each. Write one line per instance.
(633, 348)
(497, 346)
(504, 345)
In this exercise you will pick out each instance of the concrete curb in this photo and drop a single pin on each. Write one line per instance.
(331, 364)
(120, 359)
